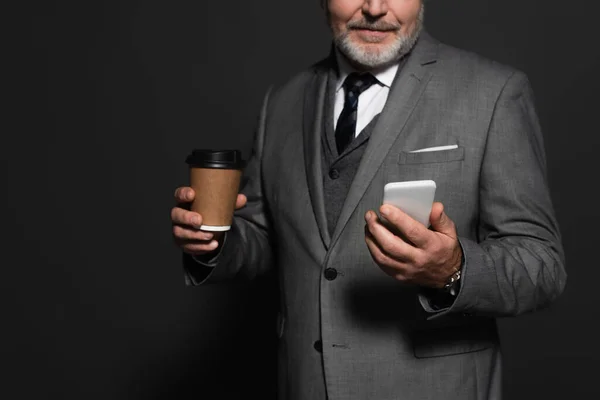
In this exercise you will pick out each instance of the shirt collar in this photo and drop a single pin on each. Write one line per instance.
(385, 75)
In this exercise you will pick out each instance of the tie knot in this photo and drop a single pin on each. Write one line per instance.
(356, 83)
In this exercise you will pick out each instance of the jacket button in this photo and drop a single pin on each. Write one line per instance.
(334, 173)
(318, 345)
(330, 274)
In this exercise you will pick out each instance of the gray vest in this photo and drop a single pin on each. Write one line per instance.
(339, 169)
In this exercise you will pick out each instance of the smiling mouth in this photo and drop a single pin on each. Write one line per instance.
(372, 33)
(372, 29)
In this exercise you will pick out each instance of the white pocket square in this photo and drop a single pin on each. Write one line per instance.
(437, 148)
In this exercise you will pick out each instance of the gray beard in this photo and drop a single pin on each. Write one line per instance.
(377, 59)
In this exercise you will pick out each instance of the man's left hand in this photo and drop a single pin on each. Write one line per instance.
(413, 253)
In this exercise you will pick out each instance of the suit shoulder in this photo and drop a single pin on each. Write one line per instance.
(297, 82)
(470, 66)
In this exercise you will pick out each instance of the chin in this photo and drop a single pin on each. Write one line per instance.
(371, 49)
(369, 55)
(369, 52)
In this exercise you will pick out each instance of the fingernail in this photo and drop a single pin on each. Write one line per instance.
(385, 210)
(197, 221)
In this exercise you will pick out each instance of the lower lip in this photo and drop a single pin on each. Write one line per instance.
(372, 34)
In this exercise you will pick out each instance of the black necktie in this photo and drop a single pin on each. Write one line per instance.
(345, 129)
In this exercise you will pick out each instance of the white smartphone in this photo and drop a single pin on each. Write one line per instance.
(415, 198)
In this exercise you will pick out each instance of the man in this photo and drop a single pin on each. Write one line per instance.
(394, 310)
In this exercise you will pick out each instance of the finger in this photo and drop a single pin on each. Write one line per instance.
(437, 210)
(390, 244)
(240, 201)
(414, 231)
(377, 253)
(189, 233)
(440, 222)
(386, 263)
(199, 248)
(180, 216)
(184, 194)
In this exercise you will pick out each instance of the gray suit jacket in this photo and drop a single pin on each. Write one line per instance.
(364, 335)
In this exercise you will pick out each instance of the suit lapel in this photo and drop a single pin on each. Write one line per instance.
(315, 97)
(404, 94)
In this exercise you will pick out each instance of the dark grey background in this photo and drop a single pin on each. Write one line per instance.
(106, 100)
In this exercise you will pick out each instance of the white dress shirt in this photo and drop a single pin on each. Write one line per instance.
(371, 101)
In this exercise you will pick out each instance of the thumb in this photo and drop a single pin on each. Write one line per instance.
(440, 221)
(240, 201)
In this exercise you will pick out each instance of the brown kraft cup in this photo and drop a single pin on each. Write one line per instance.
(215, 177)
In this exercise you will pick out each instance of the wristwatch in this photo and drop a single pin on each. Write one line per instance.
(453, 283)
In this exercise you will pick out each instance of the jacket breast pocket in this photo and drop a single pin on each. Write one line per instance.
(454, 340)
(425, 157)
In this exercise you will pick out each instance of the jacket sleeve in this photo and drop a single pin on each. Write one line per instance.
(247, 248)
(517, 263)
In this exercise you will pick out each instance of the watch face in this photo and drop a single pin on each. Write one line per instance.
(454, 289)
(453, 284)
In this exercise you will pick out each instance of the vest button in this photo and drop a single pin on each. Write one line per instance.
(318, 345)
(334, 173)
(330, 274)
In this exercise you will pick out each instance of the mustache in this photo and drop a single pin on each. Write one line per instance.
(373, 25)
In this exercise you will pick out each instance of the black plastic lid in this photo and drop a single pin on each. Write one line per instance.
(225, 159)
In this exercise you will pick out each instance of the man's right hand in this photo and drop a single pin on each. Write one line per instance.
(185, 224)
